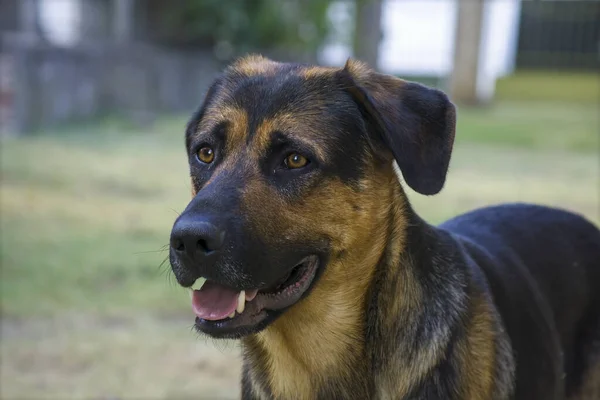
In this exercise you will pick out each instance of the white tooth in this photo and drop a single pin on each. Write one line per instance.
(232, 314)
(198, 284)
(241, 302)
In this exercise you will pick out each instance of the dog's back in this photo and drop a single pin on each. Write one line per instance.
(543, 269)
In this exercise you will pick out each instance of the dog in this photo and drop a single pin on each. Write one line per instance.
(337, 289)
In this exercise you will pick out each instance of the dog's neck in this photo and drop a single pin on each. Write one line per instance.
(325, 344)
(326, 330)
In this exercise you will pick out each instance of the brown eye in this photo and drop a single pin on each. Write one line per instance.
(206, 155)
(295, 160)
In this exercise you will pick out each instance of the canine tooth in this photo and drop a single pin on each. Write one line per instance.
(232, 314)
(241, 302)
(198, 284)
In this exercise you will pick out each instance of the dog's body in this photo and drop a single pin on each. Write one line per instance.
(498, 306)
(349, 294)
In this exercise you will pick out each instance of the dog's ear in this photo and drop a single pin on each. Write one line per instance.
(415, 122)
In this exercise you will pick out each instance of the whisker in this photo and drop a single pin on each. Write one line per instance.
(163, 263)
(151, 251)
(195, 331)
(222, 345)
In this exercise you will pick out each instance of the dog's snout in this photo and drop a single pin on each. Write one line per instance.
(196, 238)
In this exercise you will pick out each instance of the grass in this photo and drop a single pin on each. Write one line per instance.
(533, 125)
(537, 110)
(533, 85)
(87, 309)
(83, 357)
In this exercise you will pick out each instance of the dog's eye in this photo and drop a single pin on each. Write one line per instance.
(206, 155)
(295, 161)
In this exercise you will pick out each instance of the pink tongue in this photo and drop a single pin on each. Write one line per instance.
(214, 301)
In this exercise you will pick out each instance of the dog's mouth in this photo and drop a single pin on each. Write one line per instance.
(224, 312)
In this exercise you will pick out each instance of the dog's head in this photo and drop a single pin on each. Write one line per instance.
(290, 168)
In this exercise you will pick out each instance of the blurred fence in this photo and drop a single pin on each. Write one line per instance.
(42, 85)
(45, 86)
(559, 34)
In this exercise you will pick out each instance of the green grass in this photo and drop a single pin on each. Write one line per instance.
(574, 87)
(535, 85)
(91, 217)
(87, 309)
(90, 211)
(535, 109)
(87, 357)
(533, 125)
(539, 110)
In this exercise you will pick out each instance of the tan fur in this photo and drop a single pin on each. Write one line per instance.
(193, 188)
(298, 125)
(237, 119)
(477, 353)
(403, 298)
(257, 391)
(378, 85)
(322, 335)
(317, 71)
(255, 64)
(401, 375)
(590, 389)
(476, 350)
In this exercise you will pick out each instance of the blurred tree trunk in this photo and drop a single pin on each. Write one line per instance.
(123, 19)
(367, 31)
(95, 22)
(40, 33)
(467, 48)
(9, 17)
(31, 22)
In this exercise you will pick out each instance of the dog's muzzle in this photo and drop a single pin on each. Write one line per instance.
(234, 287)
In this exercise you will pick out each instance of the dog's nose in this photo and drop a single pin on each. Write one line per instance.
(196, 238)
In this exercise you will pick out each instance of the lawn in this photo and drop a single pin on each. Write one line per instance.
(89, 309)
(561, 86)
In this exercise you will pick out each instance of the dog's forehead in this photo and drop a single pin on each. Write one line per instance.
(265, 88)
(257, 97)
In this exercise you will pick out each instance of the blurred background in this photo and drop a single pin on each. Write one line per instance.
(94, 96)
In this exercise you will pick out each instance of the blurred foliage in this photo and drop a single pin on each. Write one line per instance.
(239, 26)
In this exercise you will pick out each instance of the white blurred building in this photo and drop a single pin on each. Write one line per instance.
(418, 38)
(418, 35)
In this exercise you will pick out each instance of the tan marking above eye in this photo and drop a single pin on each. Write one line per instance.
(206, 155)
(295, 160)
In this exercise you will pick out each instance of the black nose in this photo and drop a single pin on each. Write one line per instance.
(196, 237)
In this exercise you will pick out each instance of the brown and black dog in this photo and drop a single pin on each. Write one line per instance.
(314, 258)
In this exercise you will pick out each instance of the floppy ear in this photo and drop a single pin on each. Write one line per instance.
(415, 122)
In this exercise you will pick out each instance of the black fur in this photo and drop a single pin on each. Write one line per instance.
(543, 268)
(416, 123)
(542, 277)
(536, 268)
